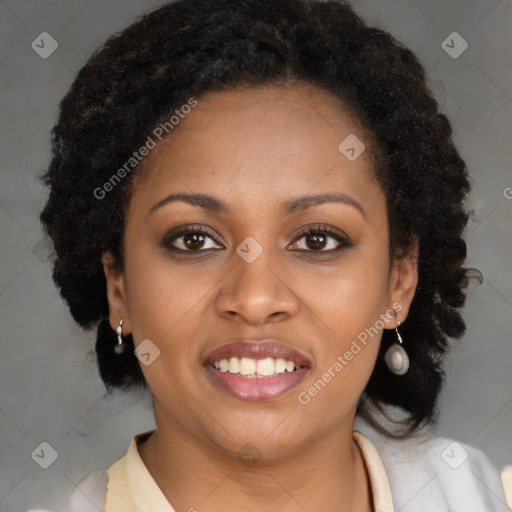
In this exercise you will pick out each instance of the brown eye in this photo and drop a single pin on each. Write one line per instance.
(316, 240)
(321, 240)
(194, 241)
(190, 239)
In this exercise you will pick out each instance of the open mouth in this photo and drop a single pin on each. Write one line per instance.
(256, 371)
(253, 368)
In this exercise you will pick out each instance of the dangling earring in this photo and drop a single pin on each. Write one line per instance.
(396, 357)
(119, 348)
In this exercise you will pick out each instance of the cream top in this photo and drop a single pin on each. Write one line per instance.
(131, 487)
(431, 474)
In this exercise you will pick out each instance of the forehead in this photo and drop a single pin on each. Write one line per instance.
(248, 142)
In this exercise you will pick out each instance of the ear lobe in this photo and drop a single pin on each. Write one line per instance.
(117, 306)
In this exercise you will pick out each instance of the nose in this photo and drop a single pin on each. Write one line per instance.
(256, 293)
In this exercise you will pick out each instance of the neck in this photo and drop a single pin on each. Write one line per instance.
(326, 475)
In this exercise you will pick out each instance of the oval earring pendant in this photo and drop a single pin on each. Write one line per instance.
(397, 359)
(119, 349)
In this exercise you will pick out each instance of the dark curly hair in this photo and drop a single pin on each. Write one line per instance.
(187, 48)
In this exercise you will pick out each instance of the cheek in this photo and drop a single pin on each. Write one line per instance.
(348, 306)
(350, 297)
(162, 293)
(163, 302)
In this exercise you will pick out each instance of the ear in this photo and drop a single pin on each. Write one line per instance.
(403, 282)
(116, 296)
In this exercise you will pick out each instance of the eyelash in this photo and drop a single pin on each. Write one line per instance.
(344, 242)
(319, 230)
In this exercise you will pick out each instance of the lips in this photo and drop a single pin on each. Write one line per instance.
(244, 384)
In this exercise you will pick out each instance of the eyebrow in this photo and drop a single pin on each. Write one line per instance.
(296, 204)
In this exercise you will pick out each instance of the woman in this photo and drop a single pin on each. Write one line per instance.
(261, 207)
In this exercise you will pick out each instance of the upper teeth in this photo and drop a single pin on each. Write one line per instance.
(248, 366)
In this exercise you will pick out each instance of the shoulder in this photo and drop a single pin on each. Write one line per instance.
(90, 495)
(437, 473)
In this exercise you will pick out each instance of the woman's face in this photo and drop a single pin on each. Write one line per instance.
(262, 161)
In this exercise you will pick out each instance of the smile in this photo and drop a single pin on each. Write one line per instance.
(256, 371)
(251, 368)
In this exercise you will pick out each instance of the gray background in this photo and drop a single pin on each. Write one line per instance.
(50, 390)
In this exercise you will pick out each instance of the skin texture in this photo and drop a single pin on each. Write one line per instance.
(255, 149)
